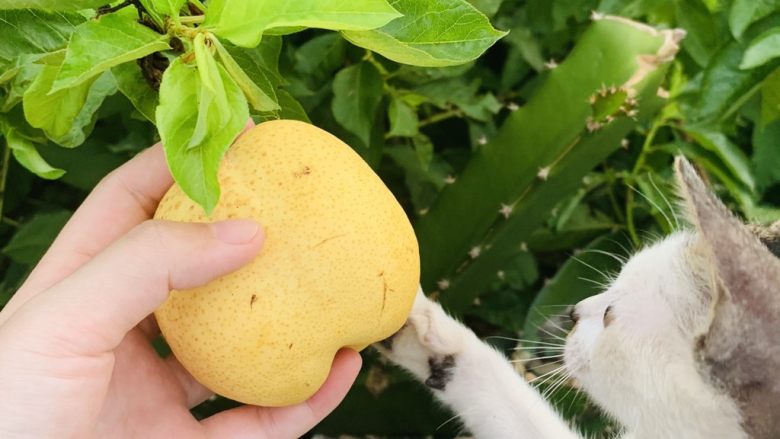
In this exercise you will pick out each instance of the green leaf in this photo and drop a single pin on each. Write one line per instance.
(28, 32)
(291, 109)
(25, 153)
(169, 7)
(729, 153)
(770, 98)
(703, 29)
(432, 33)
(260, 97)
(52, 5)
(423, 147)
(762, 49)
(766, 155)
(131, 82)
(357, 91)
(403, 118)
(487, 7)
(35, 236)
(75, 106)
(212, 91)
(243, 22)
(724, 86)
(194, 167)
(319, 57)
(263, 59)
(745, 12)
(98, 45)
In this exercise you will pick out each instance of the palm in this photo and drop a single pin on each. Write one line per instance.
(151, 395)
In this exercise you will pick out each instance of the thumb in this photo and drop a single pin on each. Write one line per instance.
(107, 297)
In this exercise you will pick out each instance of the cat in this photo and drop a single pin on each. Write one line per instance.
(684, 343)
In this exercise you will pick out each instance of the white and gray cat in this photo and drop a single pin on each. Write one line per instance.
(685, 342)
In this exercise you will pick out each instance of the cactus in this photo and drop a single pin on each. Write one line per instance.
(581, 114)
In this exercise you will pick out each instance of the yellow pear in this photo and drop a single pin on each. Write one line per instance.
(339, 267)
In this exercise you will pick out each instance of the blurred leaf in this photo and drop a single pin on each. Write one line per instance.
(731, 156)
(423, 184)
(487, 7)
(766, 155)
(403, 118)
(357, 91)
(258, 89)
(724, 86)
(194, 166)
(762, 49)
(95, 152)
(745, 12)
(25, 153)
(319, 57)
(35, 236)
(131, 82)
(52, 5)
(431, 33)
(76, 106)
(28, 32)
(169, 7)
(703, 30)
(291, 109)
(424, 149)
(770, 98)
(243, 22)
(522, 38)
(100, 44)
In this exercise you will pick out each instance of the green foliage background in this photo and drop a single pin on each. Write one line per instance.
(420, 127)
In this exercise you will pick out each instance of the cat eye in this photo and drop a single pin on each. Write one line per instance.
(608, 317)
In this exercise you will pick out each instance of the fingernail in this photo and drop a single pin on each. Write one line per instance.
(235, 231)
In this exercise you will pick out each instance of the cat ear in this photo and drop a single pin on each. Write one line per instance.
(745, 314)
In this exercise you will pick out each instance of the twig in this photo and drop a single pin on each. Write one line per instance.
(103, 10)
(4, 173)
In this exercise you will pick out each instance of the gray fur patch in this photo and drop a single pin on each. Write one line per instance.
(441, 371)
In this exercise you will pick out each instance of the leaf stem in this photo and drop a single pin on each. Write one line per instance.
(4, 172)
(192, 19)
(438, 117)
(640, 162)
(10, 222)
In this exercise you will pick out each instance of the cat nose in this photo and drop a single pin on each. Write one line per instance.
(573, 315)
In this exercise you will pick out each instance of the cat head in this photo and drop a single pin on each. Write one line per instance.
(689, 331)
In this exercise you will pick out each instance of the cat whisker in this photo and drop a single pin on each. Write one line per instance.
(547, 374)
(655, 205)
(620, 259)
(524, 340)
(668, 204)
(581, 261)
(526, 360)
(602, 285)
(548, 332)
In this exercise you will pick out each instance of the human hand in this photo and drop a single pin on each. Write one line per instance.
(76, 358)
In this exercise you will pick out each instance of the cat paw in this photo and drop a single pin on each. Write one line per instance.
(428, 344)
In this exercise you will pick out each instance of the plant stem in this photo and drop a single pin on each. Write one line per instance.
(109, 9)
(640, 162)
(192, 19)
(4, 173)
(438, 117)
(10, 222)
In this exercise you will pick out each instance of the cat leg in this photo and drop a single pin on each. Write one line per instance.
(476, 381)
